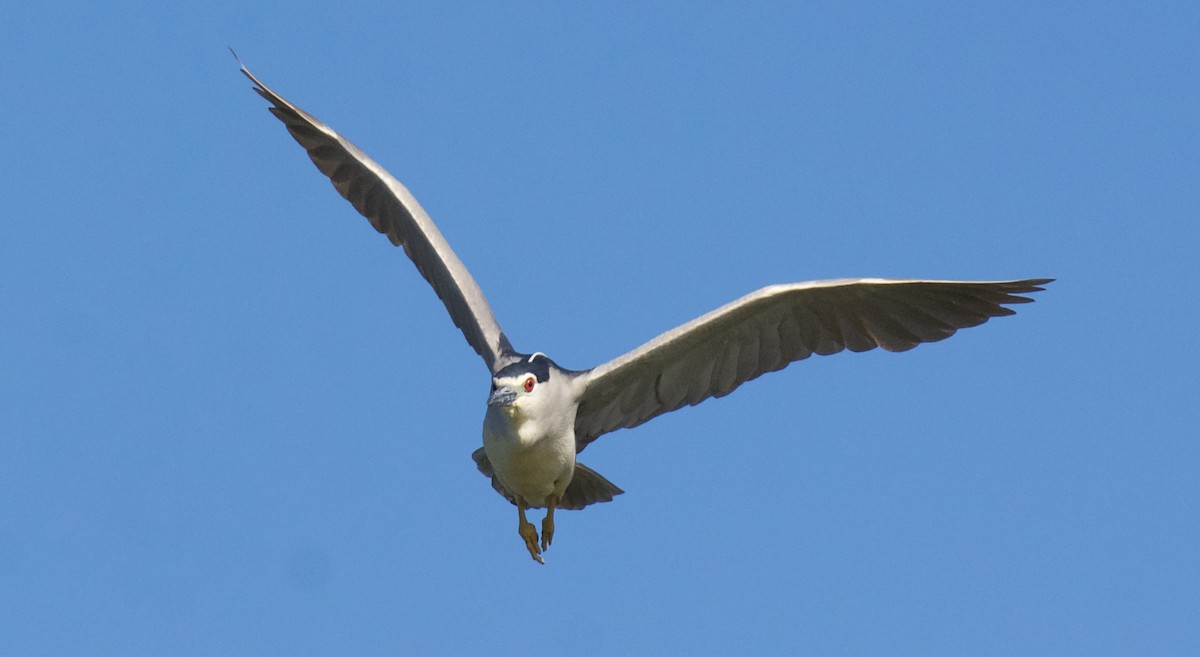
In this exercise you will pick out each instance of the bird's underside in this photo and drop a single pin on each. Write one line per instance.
(539, 409)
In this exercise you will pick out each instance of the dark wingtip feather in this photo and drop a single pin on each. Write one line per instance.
(1028, 286)
(1033, 284)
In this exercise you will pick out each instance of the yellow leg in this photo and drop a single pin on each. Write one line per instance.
(548, 524)
(528, 532)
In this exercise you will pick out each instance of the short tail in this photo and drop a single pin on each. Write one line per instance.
(587, 486)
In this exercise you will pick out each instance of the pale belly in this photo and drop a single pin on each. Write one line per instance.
(531, 467)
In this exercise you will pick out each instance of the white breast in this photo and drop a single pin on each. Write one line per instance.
(531, 460)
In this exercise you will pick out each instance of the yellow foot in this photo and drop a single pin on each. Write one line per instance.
(529, 533)
(547, 532)
(548, 523)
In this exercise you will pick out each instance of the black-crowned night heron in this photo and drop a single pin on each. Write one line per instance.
(539, 415)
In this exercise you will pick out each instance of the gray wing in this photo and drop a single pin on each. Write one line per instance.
(764, 331)
(393, 211)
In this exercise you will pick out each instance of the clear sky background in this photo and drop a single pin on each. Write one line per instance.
(235, 421)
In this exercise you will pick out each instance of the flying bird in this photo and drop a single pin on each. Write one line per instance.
(540, 416)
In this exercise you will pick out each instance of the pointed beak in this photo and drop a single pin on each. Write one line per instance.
(502, 396)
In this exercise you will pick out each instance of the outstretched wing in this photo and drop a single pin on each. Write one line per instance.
(393, 211)
(764, 331)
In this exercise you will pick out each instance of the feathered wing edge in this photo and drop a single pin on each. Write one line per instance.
(774, 326)
(393, 211)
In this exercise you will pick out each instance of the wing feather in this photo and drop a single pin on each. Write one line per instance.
(393, 211)
(765, 330)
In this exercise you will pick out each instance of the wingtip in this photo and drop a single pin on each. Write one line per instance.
(258, 86)
(1038, 284)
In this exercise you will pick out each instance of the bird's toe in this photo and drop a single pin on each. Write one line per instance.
(529, 535)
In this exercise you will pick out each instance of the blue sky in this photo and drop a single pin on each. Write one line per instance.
(235, 421)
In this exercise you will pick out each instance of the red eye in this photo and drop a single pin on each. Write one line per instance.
(529, 384)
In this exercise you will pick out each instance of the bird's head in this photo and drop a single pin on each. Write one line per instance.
(522, 387)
